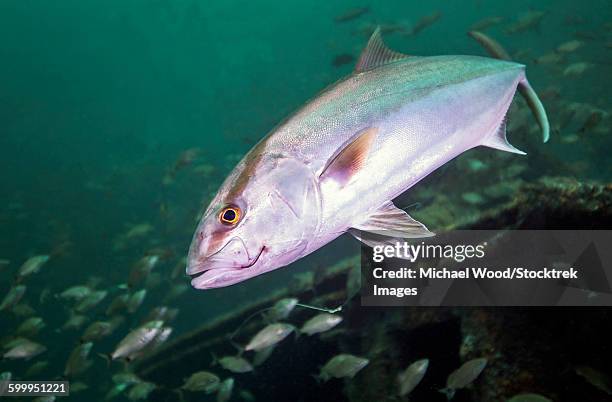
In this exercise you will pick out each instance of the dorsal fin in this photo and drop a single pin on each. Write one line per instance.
(376, 54)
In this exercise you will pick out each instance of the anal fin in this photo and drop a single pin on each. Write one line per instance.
(391, 222)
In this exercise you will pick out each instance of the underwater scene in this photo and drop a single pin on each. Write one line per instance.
(143, 256)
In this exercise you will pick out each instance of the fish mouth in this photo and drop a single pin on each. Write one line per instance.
(211, 276)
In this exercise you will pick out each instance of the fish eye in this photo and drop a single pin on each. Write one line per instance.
(230, 215)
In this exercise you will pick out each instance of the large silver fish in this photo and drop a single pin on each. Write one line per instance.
(337, 163)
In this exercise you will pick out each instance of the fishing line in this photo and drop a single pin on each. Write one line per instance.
(415, 205)
(247, 320)
(327, 310)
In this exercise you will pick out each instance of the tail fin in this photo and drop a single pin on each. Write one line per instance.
(536, 107)
(496, 50)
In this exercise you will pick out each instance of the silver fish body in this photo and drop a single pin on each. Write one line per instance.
(320, 323)
(269, 336)
(338, 162)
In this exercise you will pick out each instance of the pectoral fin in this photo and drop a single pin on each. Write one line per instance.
(390, 221)
(348, 160)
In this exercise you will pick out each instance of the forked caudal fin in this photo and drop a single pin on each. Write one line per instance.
(496, 50)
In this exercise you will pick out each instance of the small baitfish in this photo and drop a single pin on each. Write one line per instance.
(97, 330)
(24, 349)
(281, 309)
(135, 300)
(235, 364)
(269, 336)
(78, 361)
(12, 297)
(342, 366)
(224, 393)
(91, 301)
(320, 323)
(202, 381)
(75, 321)
(337, 163)
(75, 293)
(408, 379)
(32, 266)
(31, 326)
(137, 340)
(464, 376)
(141, 391)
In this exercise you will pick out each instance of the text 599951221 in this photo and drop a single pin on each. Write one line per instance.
(34, 388)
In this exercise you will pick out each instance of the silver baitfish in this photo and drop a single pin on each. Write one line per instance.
(24, 349)
(202, 381)
(342, 366)
(141, 270)
(281, 309)
(141, 391)
(320, 323)
(78, 361)
(91, 301)
(118, 305)
(135, 300)
(224, 393)
(12, 297)
(137, 340)
(235, 364)
(464, 376)
(100, 329)
(32, 266)
(31, 326)
(75, 293)
(75, 321)
(408, 379)
(269, 336)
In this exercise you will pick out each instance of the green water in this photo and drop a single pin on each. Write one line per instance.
(99, 99)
